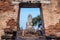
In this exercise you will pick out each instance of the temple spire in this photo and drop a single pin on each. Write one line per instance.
(29, 23)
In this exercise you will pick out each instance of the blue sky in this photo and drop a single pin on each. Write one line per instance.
(24, 12)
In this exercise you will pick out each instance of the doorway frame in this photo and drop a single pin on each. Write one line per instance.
(32, 5)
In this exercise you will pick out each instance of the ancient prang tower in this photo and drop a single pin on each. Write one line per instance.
(9, 16)
(29, 23)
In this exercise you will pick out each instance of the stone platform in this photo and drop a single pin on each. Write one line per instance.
(31, 38)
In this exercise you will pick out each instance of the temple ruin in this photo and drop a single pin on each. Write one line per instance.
(9, 17)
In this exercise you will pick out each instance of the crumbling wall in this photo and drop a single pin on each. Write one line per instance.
(8, 15)
(51, 16)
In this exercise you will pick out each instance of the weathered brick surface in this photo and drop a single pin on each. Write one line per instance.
(7, 12)
(51, 16)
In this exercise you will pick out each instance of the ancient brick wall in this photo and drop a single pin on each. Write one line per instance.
(51, 16)
(8, 16)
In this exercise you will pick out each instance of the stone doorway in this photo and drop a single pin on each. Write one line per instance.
(32, 5)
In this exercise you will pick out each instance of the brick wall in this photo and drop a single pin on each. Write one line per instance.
(7, 12)
(51, 15)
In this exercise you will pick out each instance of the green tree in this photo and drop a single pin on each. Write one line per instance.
(36, 20)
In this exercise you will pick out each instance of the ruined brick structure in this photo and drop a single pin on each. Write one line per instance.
(51, 16)
(9, 16)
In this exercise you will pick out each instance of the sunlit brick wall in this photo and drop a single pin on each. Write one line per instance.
(51, 15)
(8, 11)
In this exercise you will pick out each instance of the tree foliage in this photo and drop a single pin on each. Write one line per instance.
(36, 20)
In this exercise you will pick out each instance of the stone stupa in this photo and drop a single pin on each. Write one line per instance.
(29, 24)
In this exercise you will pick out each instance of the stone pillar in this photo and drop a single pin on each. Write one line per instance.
(23, 33)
